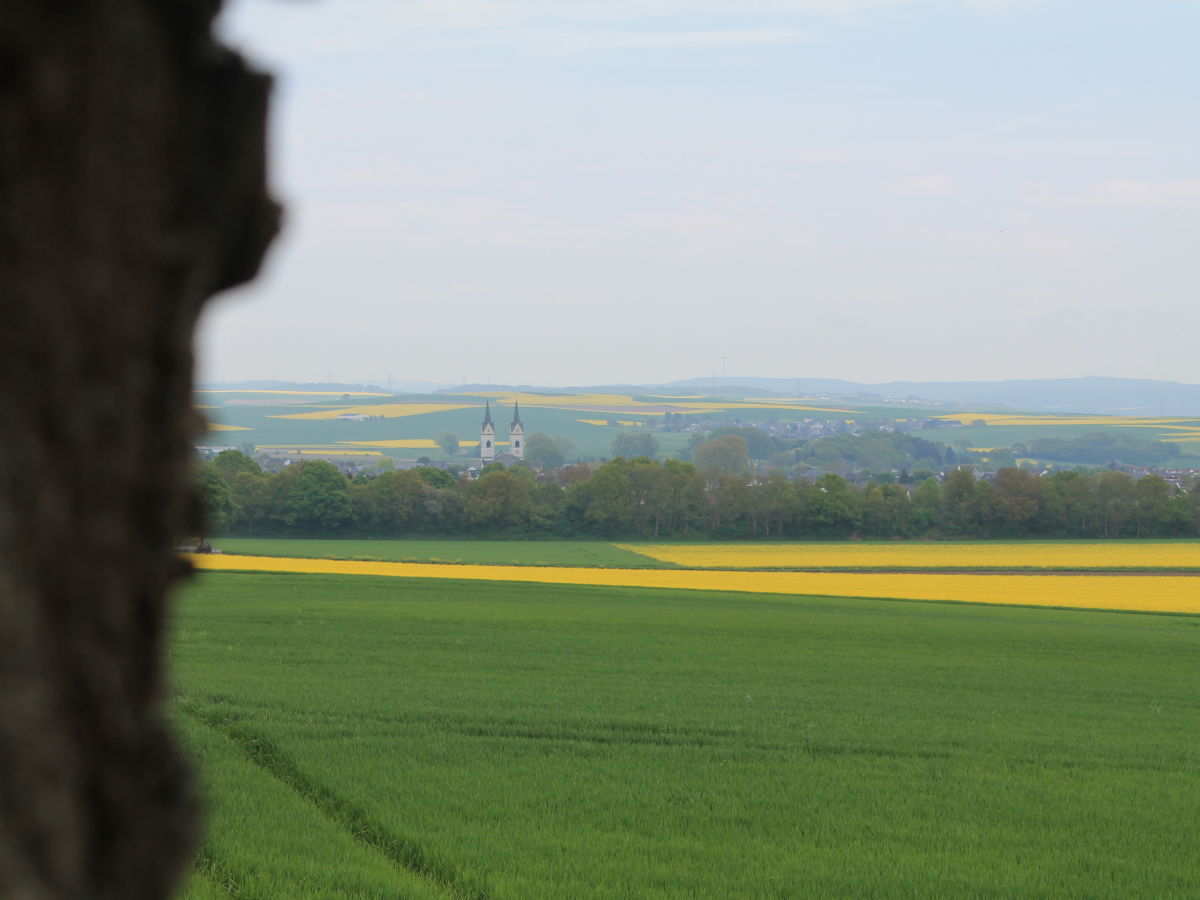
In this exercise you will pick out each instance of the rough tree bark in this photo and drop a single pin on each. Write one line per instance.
(132, 188)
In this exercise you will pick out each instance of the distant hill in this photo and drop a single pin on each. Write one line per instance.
(1103, 396)
(1099, 396)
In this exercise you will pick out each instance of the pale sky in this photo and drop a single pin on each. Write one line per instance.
(634, 191)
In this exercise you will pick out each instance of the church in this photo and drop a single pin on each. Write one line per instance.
(487, 437)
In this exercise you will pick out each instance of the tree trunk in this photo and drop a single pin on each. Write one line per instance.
(131, 189)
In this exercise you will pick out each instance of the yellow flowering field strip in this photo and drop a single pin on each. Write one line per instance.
(653, 406)
(303, 393)
(387, 410)
(410, 443)
(1182, 425)
(313, 450)
(1155, 593)
(400, 443)
(217, 426)
(565, 401)
(711, 405)
(1067, 555)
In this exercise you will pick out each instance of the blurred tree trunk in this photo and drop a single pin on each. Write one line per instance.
(131, 189)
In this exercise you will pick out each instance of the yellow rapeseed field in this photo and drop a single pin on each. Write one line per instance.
(1159, 593)
(406, 443)
(627, 423)
(652, 406)
(1181, 426)
(567, 401)
(411, 443)
(217, 426)
(303, 393)
(1067, 555)
(389, 410)
(710, 405)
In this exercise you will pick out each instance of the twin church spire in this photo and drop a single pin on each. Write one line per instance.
(487, 435)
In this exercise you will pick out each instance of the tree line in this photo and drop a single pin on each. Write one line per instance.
(673, 498)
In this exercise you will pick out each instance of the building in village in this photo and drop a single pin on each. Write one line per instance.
(487, 437)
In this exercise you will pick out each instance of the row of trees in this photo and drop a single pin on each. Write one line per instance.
(627, 497)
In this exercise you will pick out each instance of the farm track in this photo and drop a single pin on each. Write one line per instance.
(401, 852)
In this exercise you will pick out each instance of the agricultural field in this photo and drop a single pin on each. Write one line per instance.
(1157, 593)
(406, 426)
(521, 553)
(974, 555)
(1136, 555)
(371, 737)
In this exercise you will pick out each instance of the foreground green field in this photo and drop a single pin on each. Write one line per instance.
(371, 737)
(514, 553)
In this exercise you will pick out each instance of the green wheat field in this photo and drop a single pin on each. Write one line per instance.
(361, 737)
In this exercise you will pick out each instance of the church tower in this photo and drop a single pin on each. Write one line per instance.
(487, 436)
(516, 434)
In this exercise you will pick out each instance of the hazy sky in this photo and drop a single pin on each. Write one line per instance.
(597, 191)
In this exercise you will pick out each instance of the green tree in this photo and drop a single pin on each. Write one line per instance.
(232, 462)
(1075, 495)
(767, 504)
(832, 508)
(683, 491)
(634, 444)
(393, 503)
(1188, 506)
(216, 500)
(499, 500)
(601, 504)
(1152, 506)
(1018, 498)
(927, 506)
(759, 444)
(547, 452)
(723, 454)
(439, 478)
(726, 499)
(1115, 502)
(960, 503)
(645, 478)
(251, 500)
(449, 442)
(885, 510)
(319, 500)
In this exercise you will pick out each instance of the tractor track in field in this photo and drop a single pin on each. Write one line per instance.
(402, 852)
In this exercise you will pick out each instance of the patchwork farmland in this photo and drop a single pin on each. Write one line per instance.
(408, 425)
(581, 726)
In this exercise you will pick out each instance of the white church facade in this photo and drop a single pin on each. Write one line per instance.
(487, 436)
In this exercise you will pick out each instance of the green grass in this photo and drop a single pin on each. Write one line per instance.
(512, 553)
(267, 840)
(554, 741)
